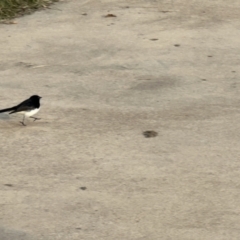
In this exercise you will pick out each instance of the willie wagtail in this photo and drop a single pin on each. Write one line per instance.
(28, 108)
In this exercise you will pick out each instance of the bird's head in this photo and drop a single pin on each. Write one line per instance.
(35, 97)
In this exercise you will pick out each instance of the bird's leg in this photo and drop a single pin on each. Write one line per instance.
(23, 121)
(35, 118)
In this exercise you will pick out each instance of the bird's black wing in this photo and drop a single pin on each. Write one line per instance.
(26, 105)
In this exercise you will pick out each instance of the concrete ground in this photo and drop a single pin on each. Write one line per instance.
(85, 171)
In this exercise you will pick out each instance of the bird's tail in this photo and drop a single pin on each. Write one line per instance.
(7, 109)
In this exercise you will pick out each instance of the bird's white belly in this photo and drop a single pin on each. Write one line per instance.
(30, 113)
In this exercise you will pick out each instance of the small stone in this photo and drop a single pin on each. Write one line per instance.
(150, 134)
(8, 185)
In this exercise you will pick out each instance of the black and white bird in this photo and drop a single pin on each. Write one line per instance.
(28, 108)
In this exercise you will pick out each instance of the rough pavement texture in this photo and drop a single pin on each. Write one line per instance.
(85, 171)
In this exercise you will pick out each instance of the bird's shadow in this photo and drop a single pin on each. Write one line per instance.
(4, 116)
